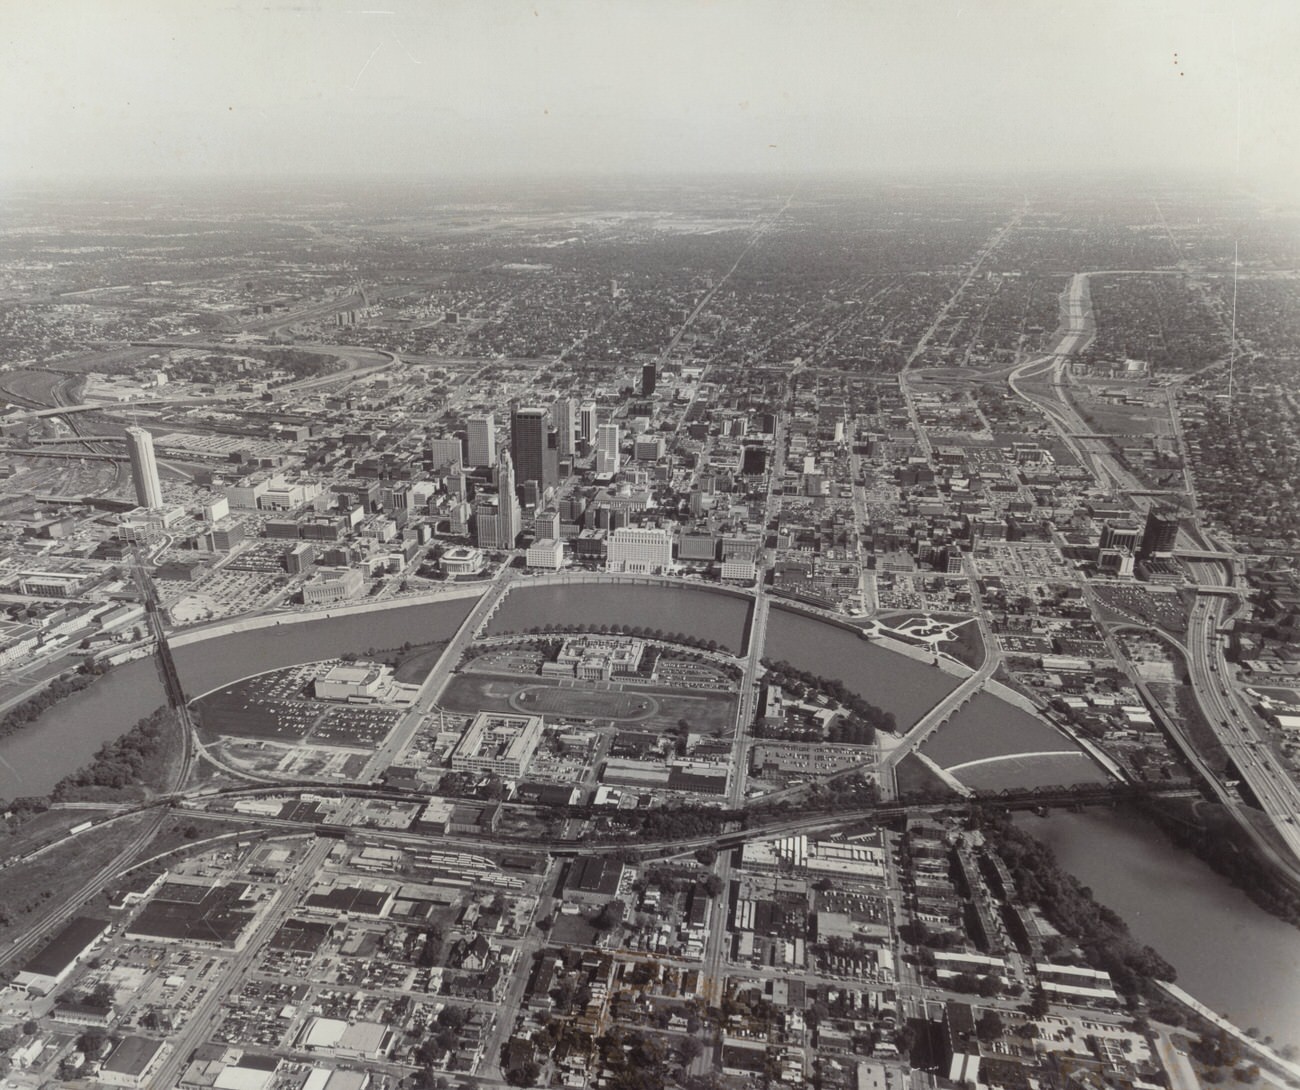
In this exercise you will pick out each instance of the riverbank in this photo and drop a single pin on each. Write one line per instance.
(1229, 953)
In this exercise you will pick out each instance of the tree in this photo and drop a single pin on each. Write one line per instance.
(524, 1075)
(989, 1027)
(689, 1050)
(609, 916)
(101, 998)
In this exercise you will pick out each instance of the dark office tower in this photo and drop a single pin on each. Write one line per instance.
(1159, 536)
(529, 443)
(647, 380)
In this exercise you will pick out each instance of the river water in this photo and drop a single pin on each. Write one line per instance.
(65, 738)
(889, 680)
(1229, 953)
(213, 663)
(708, 614)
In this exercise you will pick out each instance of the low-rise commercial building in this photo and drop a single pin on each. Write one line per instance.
(333, 585)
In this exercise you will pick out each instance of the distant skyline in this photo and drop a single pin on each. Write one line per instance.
(144, 88)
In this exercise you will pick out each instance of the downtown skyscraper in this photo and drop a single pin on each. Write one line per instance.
(565, 412)
(481, 439)
(144, 468)
(588, 418)
(532, 446)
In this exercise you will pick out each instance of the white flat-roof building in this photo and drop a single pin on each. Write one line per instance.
(362, 681)
(547, 553)
(333, 585)
(639, 550)
(498, 743)
(134, 1062)
(462, 560)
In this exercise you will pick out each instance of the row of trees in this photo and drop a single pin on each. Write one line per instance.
(635, 631)
(1101, 934)
(1231, 855)
(34, 707)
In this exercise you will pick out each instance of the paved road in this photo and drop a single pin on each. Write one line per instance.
(904, 380)
(1077, 333)
(1182, 1076)
(937, 715)
(401, 736)
(1233, 722)
(206, 1015)
(1223, 707)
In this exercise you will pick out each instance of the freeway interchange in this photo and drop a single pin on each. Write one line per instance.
(1225, 710)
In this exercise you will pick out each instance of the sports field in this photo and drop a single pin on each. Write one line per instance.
(601, 703)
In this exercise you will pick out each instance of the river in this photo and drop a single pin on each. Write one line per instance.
(211, 664)
(1229, 953)
(695, 611)
(65, 738)
(887, 679)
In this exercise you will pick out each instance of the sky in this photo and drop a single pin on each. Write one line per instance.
(156, 88)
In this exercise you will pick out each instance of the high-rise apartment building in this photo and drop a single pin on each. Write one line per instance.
(445, 454)
(482, 439)
(144, 467)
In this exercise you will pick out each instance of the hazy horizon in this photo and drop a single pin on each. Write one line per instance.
(574, 88)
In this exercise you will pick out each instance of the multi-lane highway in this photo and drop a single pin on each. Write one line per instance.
(1227, 713)
(1232, 719)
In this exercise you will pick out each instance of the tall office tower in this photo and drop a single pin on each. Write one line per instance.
(507, 501)
(482, 440)
(144, 468)
(445, 454)
(1119, 535)
(587, 423)
(607, 452)
(647, 379)
(488, 532)
(1160, 534)
(565, 413)
(529, 444)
